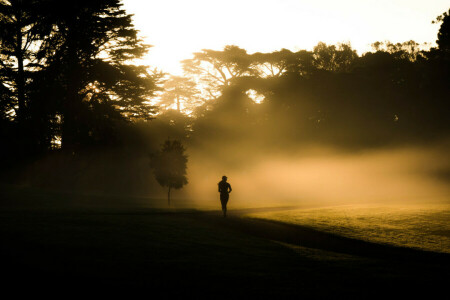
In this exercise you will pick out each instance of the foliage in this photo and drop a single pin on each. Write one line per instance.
(332, 58)
(333, 96)
(169, 166)
(67, 72)
(277, 63)
(443, 40)
(180, 91)
(217, 69)
(330, 95)
(68, 79)
(407, 50)
(22, 30)
(93, 43)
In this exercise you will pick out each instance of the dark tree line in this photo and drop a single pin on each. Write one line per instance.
(66, 77)
(69, 87)
(398, 93)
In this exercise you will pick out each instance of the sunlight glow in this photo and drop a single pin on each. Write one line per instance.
(177, 28)
(255, 96)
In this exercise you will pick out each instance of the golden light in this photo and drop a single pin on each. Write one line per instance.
(177, 28)
(255, 96)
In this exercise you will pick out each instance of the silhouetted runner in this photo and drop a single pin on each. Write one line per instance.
(224, 190)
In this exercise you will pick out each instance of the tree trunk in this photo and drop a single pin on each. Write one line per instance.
(168, 196)
(70, 133)
(20, 74)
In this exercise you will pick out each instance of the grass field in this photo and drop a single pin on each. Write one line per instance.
(61, 245)
(424, 227)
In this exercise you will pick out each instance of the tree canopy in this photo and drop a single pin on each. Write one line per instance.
(67, 71)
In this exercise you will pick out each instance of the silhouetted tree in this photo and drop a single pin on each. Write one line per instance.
(21, 33)
(24, 27)
(332, 95)
(443, 40)
(90, 50)
(180, 91)
(407, 50)
(273, 64)
(332, 58)
(66, 70)
(169, 166)
(216, 69)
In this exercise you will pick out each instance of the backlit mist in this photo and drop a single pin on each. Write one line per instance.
(285, 149)
(323, 176)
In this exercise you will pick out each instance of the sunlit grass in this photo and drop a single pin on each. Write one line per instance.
(425, 227)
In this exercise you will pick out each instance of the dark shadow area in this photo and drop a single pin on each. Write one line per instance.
(117, 247)
(196, 254)
(311, 238)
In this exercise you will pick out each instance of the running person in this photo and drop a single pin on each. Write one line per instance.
(224, 190)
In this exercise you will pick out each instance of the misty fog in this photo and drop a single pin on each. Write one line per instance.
(307, 127)
(323, 176)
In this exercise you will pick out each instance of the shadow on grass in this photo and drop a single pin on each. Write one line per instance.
(51, 244)
(308, 237)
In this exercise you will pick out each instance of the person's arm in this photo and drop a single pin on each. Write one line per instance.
(229, 186)
(218, 186)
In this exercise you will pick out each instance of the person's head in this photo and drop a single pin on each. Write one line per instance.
(224, 178)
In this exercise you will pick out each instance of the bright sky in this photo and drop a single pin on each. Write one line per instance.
(177, 28)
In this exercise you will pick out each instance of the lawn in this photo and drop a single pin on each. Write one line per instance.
(425, 227)
(62, 244)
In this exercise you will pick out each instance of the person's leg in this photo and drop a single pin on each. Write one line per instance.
(224, 201)
(225, 206)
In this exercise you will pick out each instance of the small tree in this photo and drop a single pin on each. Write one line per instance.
(169, 166)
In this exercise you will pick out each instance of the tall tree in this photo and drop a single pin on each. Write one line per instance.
(217, 69)
(91, 50)
(180, 91)
(443, 40)
(21, 32)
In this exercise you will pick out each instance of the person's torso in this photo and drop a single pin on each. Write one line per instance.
(223, 186)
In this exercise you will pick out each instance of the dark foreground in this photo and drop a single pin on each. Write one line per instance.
(63, 245)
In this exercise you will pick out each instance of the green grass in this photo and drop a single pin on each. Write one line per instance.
(424, 227)
(67, 244)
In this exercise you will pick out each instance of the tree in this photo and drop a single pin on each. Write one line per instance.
(332, 58)
(180, 91)
(443, 40)
(67, 71)
(278, 63)
(217, 69)
(169, 166)
(273, 64)
(22, 29)
(410, 50)
(90, 51)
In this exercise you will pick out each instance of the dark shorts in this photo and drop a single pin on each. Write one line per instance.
(224, 200)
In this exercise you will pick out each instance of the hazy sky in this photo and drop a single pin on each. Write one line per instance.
(177, 28)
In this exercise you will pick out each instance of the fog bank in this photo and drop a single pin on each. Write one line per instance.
(322, 176)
